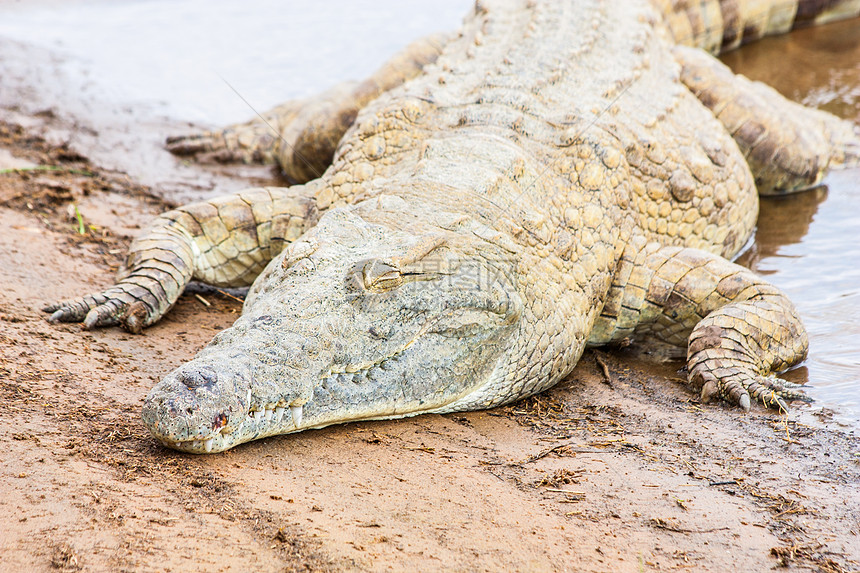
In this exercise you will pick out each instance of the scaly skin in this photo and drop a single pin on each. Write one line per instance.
(514, 196)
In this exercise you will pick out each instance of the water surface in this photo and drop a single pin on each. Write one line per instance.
(808, 244)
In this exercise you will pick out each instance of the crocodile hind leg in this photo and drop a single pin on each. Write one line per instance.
(302, 135)
(225, 242)
(788, 146)
(739, 330)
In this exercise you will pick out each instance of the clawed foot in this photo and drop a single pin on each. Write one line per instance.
(249, 143)
(299, 135)
(741, 388)
(120, 305)
(256, 141)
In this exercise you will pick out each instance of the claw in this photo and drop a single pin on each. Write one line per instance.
(789, 385)
(710, 390)
(93, 318)
(73, 310)
(57, 316)
(118, 305)
(183, 144)
(105, 314)
(741, 387)
(135, 317)
(783, 407)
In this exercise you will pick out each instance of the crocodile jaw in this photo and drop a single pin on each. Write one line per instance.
(317, 346)
(212, 419)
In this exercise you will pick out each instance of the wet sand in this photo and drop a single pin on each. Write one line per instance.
(618, 468)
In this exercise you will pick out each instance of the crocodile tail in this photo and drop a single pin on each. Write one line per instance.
(722, 25)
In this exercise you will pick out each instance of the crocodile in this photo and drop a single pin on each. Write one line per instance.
(464, 223)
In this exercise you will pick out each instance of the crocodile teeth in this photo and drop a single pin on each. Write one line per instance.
(269, 412)
(296, 412)
(258, 415)
(207, 444)
(279, 413)
(196, 444)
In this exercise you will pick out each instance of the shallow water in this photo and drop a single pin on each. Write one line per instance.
(809, 244)
(123, 74)
(175, 56)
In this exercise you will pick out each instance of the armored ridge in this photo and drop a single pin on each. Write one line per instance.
(512, 196)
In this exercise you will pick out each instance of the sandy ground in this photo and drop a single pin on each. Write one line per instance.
(618, 468)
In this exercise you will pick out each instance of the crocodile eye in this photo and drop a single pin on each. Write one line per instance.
(379, 275)
(389, 280)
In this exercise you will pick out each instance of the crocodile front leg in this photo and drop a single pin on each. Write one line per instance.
(301, 135)
(741, 330)
(225, 242)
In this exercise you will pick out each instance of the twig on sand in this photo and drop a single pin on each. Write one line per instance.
(570, 448)
(607, 377)
(663, 524)
(228, 295)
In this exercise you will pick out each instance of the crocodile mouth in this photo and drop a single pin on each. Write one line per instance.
(271, 418)
(210, 421)
(260, 422)
(265, 419)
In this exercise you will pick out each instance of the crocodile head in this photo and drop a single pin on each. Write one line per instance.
(354, 321)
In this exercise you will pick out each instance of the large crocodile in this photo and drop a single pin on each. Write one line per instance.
(469, 219)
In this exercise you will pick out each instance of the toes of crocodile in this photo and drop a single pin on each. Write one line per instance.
(774, 392)
(193, 144)
(742, 388)
(212, 148)
(132, 317)
(73, 310)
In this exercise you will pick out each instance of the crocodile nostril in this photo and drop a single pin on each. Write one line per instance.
(198, 377)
